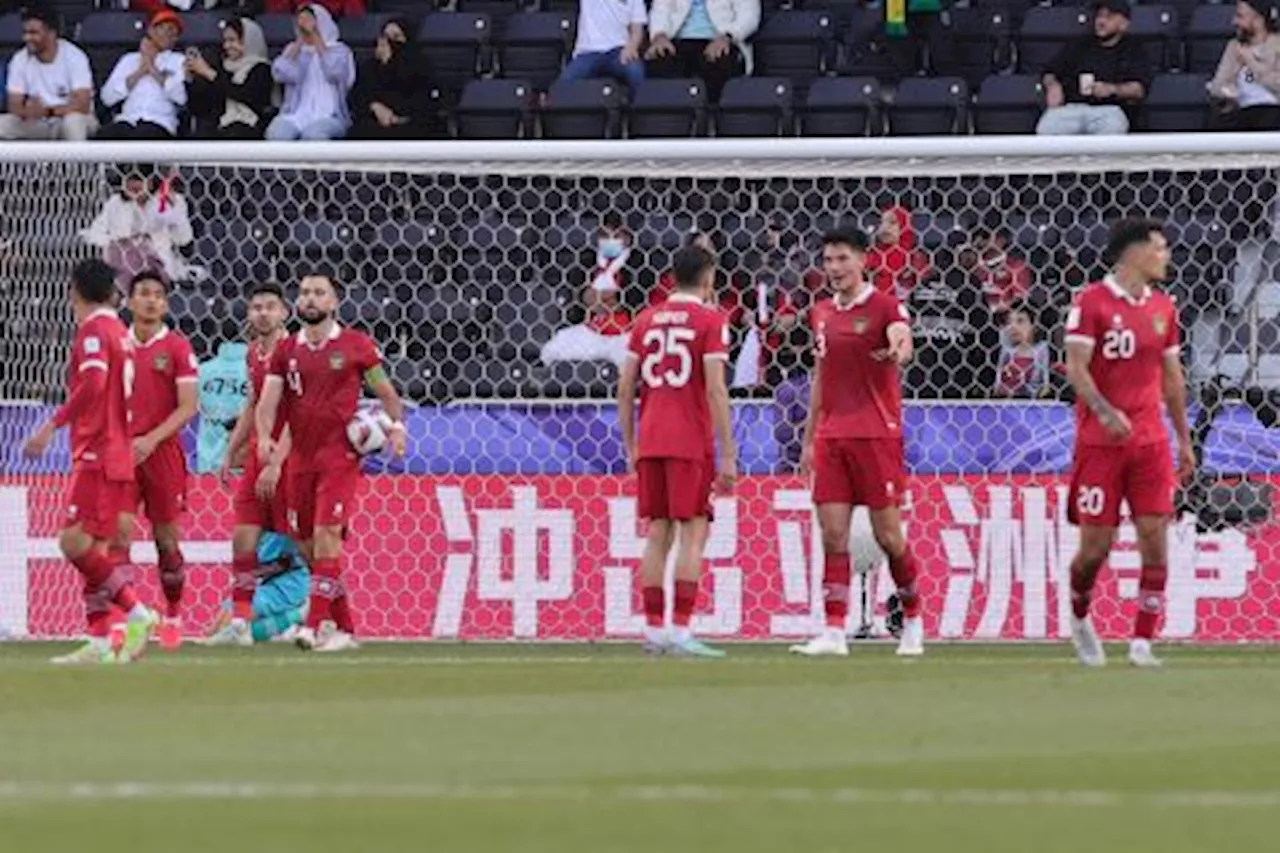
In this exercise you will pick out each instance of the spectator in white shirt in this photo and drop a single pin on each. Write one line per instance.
(49, 85)
(702, 38)
(317, 71)
(1246, 88)
(149, 83)
(142, 227)
(610, 37)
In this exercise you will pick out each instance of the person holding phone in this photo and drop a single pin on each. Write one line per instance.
(317, 71)
(1245, 90)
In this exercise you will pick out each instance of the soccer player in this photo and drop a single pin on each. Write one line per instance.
(677, 356)
(318, 374)
(100, 379)
(164, 400)
(261, 499)
(853, 436)
(1123, 359)
(280, 601)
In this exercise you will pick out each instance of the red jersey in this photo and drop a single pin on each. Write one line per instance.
(861, 397)
(672, 341)
(1131, 338)
(258, 360)
(99, 383)
(322, 385)
(160, 364)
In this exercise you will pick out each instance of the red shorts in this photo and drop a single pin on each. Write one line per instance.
(858, 471)
(250, 510)
(95, 503)
(675, 489)
(1103, 477)
(322, 498)
(161, 484)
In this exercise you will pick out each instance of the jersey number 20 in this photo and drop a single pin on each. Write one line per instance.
(1118, 343)
(660, 343)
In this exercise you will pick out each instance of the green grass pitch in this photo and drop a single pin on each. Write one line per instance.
(570, 749)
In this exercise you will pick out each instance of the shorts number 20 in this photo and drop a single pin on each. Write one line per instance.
(1090, 500)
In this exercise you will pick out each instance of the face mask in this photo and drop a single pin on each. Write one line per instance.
(611, 248)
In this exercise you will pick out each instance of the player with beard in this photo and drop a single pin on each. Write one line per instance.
(261, 498)
(318, 375)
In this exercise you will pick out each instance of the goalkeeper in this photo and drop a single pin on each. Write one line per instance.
(280, 602)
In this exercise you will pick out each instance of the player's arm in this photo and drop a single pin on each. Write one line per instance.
(378, 381)
(1175, 400)
(239, 434)
(265, 413)
(628, 376)
(273, 470)
(1079, 354)
(188, 405)
(90, 388)
(901, 346)
(721, 420)
(811, 417)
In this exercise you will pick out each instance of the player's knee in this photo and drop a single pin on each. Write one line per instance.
(166, 537)
(244, 540)
(835, 541)
(890, 541)
(73, 542)
(327, 542)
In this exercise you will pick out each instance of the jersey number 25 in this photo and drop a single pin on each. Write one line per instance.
(660, 343)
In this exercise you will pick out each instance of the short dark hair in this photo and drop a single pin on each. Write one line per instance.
(235, 25)
(327, 276)
(94, 280)
(1129, 232)
(44, 15)
(148, 275)
(689, 265)
(267, 288)
(852, 237)
(1022, 308)
(612, 219)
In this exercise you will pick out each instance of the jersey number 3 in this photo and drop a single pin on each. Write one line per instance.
(660, 343)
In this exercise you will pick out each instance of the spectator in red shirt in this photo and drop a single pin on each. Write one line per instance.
(337, 8)
(894, 263)
(1005, 278)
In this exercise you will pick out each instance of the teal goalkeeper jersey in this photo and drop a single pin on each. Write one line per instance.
(224, 390)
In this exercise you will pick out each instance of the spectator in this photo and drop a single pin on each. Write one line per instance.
(232, 102)
(49, 85)
(150, 83)
(1095, 83)
(1246, 88)
(613, 249)
(386, 102)
(702, 38)
(336, 8)
(1004, 277)
(317, 70)
(606, 314)
(953, 332)
(138, 229)
(602, 334)
(610, 36)
(1023, 368)
(894, 263)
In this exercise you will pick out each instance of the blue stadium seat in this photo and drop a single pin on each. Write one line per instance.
(362, 30)
(583, 109)
(755, 106)
(1176, 102)
(277, 29)
(970, 43)
(1008, 104)
(842, 106)
(532, 46)
(202, 29)
(112, 29)
(1156, 29)
(498, 11)
(795, 45)
(865, 50)
(570, 6)
(929, 106)
(495, 109)
(454, 45)
(10, 33)
(1207, 35)
(1045, 30)
(668, 108)
(1015, 9)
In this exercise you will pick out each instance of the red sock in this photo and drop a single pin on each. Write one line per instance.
(244, 585)
(98, 571)
(341, 610)
(325, 587)
(1081, 591)
(903, 570)
(655, 606)
(836, 575)
(118, 555)
(686, 599)
(1151, 584)
(97, 610)
(173, 579)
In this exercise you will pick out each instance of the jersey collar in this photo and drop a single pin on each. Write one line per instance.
(101, 312)
(1120, 293)
(333, 336)
(685, 297)
(159, 336)
(860, 299)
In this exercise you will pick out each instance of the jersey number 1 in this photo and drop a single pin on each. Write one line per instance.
(664, 342)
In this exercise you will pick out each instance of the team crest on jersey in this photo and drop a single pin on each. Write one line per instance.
(336, 361)
(860, 325)
(160, 363)
(1159, 324)
(1117, 321)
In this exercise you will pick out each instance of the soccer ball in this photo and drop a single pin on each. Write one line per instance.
(368, 430)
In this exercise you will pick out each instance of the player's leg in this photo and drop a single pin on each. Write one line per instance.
(653, 566)
(1097, 488)
(173, 578)
(162, 481)
(335, 493)
(692, 545)
(886, 526)
(833, 495)
(1150, 487)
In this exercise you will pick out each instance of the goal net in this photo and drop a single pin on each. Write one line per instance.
(496, 276)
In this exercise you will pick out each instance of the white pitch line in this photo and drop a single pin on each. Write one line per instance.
(37, 792)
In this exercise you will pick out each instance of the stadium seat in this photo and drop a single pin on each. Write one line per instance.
(498, 11)
(202, 29)
(112, 29)
(495, 109)
(532, 46)
(755, 106)
(1015, 9)
(362, 30)
(453, 48)
(570, 6)
(668, 108)
(1044, 32)
(970, 43)
(72, 12)
(10, 33)
(866, 52)
(1176, 102)
(842, 106)
(277, 29)
(1207, 35)
(1008, 104)
(929, 106)
(1156, 29)
(583, 109)
(795, 45)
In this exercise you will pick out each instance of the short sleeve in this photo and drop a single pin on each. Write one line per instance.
(16, 81)
(896, 312)
(638, 13)
(279, 361)
(1082, 322)
(635, 343)
(81, 72)
(185, 365)
(717, 343)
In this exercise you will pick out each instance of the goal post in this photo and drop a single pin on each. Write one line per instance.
(477, 267)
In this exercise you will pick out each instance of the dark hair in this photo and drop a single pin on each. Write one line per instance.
(1129, 232)
(46, 16)
(94, 281)
(235, 25)
(612, 219)
(148, 275)
(327, 276)
(689, 265)
(1021, 308)
(267, 288)
(851, 237)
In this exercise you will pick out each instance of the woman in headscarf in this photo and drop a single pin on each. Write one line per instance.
(232, 102)
(142, 227)
(894, 264)
(317, 70)
(387, 101)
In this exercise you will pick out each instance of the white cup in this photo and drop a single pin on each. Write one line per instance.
(1086, 85)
